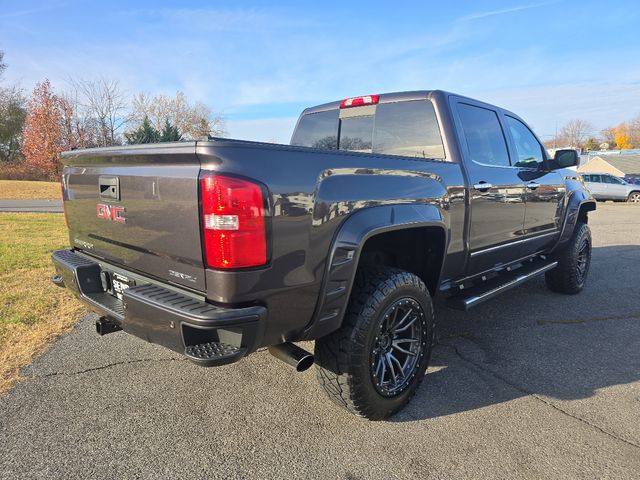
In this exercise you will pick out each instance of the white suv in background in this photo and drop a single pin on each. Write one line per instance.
(604, 186)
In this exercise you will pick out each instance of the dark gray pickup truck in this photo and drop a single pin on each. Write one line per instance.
(217, 248)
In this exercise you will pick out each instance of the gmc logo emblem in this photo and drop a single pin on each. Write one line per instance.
(110, 212)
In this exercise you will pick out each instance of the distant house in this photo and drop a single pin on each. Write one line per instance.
(618, 165)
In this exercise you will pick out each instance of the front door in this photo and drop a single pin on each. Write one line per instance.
(496, 191)
(544, 189)
(616, 188)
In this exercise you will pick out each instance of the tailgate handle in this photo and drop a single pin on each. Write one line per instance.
(109, 187)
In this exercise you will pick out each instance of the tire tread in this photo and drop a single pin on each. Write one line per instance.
(564, 278)
(339, 353)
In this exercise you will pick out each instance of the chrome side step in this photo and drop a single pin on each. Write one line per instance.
(494, 287)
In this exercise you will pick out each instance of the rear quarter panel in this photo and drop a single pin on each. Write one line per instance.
(311, 193)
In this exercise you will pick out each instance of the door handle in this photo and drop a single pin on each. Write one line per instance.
(482, 186)
(532, 185)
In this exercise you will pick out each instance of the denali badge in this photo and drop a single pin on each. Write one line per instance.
(183, 276)
(110, 212)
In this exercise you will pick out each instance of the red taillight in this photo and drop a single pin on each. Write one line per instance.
(357, 101)
(232, 222)
(64, 206)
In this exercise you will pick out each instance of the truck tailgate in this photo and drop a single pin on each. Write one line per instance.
(138, 207)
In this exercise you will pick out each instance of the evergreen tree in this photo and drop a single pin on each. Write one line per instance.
(145, 133)
(170, 133)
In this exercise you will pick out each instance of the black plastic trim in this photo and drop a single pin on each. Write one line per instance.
(345, 251)
(160, 315)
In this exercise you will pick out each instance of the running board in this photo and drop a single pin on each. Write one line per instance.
(494, 287)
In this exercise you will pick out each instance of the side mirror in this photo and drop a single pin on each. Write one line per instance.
(565, 158)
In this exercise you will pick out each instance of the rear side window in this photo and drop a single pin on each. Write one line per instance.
(317, 130)
(484, 135)
(402, 128)
(409, 129)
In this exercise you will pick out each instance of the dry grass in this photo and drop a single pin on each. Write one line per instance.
(32, 310)
(29, 190)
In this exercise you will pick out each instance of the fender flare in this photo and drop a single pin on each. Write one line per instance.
(577, 202)
(344, 255)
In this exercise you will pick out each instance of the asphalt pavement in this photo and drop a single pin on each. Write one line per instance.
(38, 206)
(530, 385)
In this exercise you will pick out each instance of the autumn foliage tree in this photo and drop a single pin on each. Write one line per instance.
(621, 136)
(44, 138)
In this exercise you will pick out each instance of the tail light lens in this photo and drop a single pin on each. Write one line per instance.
(233, 222)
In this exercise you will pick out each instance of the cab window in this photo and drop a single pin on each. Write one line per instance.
(408, 129)
(317, 130)
(485, 139)
(528, 149)
(613, 180)
(356, 134)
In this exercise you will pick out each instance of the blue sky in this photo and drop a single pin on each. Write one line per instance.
(260, 63)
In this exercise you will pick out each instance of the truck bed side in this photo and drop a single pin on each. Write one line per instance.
(312, 193)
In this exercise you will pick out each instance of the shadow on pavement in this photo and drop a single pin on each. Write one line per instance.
(532, 341)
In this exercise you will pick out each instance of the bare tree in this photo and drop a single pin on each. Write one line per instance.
(608, 136)
(3, 66)
(78, 131)
(192, 120)
(104, 103)
(634, 131)
(575, 131)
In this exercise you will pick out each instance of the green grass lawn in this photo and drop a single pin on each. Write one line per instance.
(29, 190)
(32, 310)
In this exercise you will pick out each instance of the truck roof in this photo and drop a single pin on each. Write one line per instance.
(392, 97)
(400, 97)
(384, 98)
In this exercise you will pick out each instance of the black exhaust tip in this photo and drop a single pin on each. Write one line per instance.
(104, 326)
(292, 355)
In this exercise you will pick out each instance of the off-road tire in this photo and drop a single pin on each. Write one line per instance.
(571, 273)
(344, 359)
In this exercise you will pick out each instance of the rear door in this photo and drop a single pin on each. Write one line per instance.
(496, 190)
(137, 207)
(544, 189)
(596, 186)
